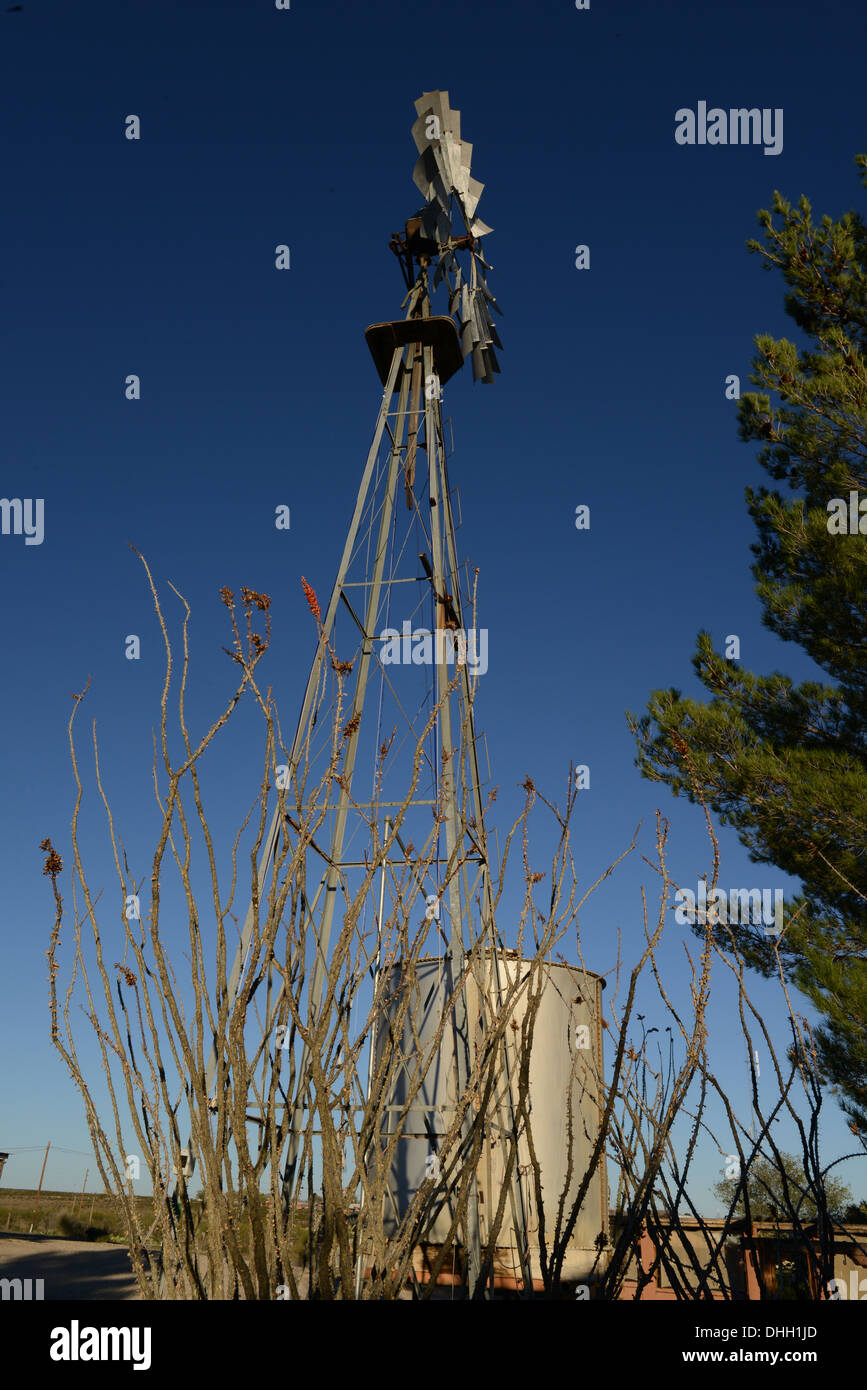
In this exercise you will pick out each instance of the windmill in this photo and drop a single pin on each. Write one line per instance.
(400, 564)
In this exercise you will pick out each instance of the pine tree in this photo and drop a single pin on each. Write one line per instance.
(786, 764)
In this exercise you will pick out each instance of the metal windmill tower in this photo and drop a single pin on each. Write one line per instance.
(400, 572)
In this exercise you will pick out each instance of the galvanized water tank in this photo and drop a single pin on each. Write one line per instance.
(565, 1101)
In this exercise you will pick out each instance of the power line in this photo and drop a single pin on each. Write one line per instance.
(37, 1148)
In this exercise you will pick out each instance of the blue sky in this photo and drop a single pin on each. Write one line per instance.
(156, 257)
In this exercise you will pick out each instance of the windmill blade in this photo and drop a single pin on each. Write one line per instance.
(484, 365)
(449, 160)
(483, 287)
(436, 222)
(434, 173)
(436, 122)
(470, 199)
(447, 262)
(442, 172)
(455, 297)
(435, 104)
(482, 323)
(459, 154)
(484, 327)
(429, 179)
(480, 228)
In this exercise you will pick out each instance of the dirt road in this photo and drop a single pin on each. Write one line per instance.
(71, 1269)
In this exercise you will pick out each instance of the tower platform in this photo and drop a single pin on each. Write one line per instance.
(439, 331)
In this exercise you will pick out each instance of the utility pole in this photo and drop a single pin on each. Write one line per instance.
(39, 1188)
(83, 1186)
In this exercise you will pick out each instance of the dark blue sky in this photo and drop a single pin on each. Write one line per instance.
(156, 257)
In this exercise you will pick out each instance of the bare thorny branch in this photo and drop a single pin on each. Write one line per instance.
(247, 1235)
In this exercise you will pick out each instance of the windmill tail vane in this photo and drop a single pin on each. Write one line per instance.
(442, 176)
